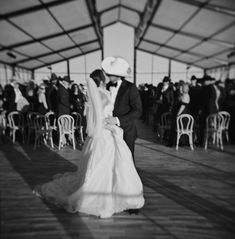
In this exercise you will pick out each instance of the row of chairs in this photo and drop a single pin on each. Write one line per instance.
(216, 126)
(43, 127)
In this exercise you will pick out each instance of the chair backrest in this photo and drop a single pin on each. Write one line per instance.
(30, 118)
(165, 120)
(40, 122)
(226, 119)
(185, 123)
(51, 119)
(15, 119)
(214, 122)
(77, 119)
(66, 124)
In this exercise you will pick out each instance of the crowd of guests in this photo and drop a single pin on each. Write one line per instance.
(60, 95)
(199, 98)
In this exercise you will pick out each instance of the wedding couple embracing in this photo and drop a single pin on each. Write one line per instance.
(106, 181)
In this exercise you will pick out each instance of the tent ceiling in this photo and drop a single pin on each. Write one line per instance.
(36, 33)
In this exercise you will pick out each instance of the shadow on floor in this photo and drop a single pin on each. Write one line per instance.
(37, 167)
(216, 214)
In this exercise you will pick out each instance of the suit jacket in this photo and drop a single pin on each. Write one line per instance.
(51, 98)
(167, 99)
(63, 101)
(9, 95)
(128, 108)
(204, 100)
(194, 104)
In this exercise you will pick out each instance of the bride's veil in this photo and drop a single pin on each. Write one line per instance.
(94, 111)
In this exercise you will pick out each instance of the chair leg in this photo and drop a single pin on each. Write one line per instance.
(73, 138)
(177, 141)
(59, 142)
(61, 139)
(206, 140)
(220, 140)
(191, 141)
(51, 139)
(81, 133)
(14, 136)
(44, 138)
(227, 136)
(215, 138)
(11, 134)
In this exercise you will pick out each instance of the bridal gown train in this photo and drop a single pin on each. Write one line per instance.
(106, 181)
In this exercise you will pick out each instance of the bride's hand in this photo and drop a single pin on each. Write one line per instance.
(108, 127)
(111, 120)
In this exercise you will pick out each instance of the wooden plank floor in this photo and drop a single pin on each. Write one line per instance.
(189, 194)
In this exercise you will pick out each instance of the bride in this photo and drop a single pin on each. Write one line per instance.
(106, 181)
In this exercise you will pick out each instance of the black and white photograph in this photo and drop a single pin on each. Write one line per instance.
(117, 119)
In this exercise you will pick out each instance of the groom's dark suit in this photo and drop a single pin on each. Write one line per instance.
(128, 108)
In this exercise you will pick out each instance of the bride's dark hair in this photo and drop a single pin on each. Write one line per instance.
(98, 76)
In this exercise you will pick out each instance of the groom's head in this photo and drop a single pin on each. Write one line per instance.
(115, 68)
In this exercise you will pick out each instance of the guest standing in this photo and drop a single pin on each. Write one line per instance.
(181, 107)
(42, 103)
(194, 93)
(77, 99)
(51, 93)
(10, 96)
(63, 99)
(165, 98)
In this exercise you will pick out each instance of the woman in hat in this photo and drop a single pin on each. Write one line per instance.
(106, 181)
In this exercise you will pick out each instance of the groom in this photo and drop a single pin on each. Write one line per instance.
(126, 99)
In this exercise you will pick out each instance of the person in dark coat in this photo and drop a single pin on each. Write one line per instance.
(194, 93)
(205, 106)
(77, 99)
(51, 93)
(10, 97)
(165, 99)
(167, 95)
(222, 99)
(63, 99)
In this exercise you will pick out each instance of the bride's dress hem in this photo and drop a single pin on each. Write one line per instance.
(85, 211)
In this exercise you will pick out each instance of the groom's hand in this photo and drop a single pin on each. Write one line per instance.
(111, 120)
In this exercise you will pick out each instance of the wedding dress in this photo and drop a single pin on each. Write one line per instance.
(106, 181)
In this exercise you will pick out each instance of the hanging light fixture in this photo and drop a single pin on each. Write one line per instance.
(10, 54)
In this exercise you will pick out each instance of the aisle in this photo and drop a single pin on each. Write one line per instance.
(188, 194)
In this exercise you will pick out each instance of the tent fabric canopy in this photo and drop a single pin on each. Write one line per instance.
(37, 33)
